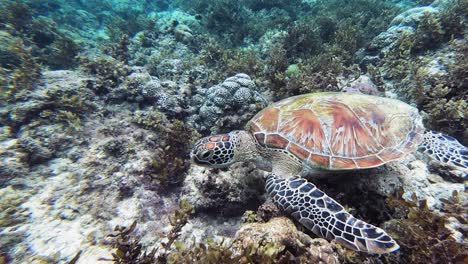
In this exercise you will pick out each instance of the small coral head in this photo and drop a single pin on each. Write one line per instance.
(215, 151)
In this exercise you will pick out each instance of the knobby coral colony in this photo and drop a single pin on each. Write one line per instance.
(169, 72)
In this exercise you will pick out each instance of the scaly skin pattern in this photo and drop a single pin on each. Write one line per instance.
(325, 217)
(445, 149)
(339, 131)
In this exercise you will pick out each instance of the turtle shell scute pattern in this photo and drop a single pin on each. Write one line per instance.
(339, 131)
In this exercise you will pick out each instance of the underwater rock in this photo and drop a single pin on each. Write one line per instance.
(62, 96)
(12, 160)
(363, 84)
(404, 23)
(411, 17)
(183, 33)
(224, 192)
(281, 241)
(413, 178)
(10, 206)
(36, 152)
(267, 211)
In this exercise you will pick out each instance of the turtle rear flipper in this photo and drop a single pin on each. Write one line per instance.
(445, 149)
(325, 217)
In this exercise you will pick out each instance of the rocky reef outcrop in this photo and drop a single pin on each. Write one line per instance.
(228, 105)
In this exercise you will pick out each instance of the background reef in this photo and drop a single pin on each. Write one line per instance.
(101, 101)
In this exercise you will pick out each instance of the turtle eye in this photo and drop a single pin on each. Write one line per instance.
(204, 155)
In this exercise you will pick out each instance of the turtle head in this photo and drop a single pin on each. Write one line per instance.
(222, 150)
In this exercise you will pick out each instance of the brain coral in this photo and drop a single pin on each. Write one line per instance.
(228, 105)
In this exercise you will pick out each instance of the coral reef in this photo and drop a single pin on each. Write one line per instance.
(225, 192)
(425, 236)
(19, 70)
(228, 105)
(278, 241)
(423, 56)
(45, 41)
(101, 100)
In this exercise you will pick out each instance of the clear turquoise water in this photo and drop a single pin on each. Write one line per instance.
(102, 102)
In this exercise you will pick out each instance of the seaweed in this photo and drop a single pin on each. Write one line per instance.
(170, 160)
(318, 73)
(423, 235)
(453, 17)
(178, 221)
(444, 98)
(302, 39)
(119, 51)
(16, 14)
(130, 250)
(109, 72)
(23, 72)
(66, 106)
(429, 34)
(47, 44)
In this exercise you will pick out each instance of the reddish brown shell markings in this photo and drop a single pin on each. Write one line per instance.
(339, 131)
(343, 163)
(345, 129)
(298, 151)
(320, 159)
(304, 127)
(368, 162)
(267, 119)
(277, 141)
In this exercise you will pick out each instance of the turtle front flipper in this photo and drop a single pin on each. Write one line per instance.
(445, 149)
(326, 217)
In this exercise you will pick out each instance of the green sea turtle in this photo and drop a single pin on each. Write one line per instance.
(312, 133)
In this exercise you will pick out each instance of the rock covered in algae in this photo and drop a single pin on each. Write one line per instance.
(281, 241)
(229, 192)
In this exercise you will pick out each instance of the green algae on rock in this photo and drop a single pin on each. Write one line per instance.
(106, 141)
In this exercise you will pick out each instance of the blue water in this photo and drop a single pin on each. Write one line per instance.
(102, 102)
